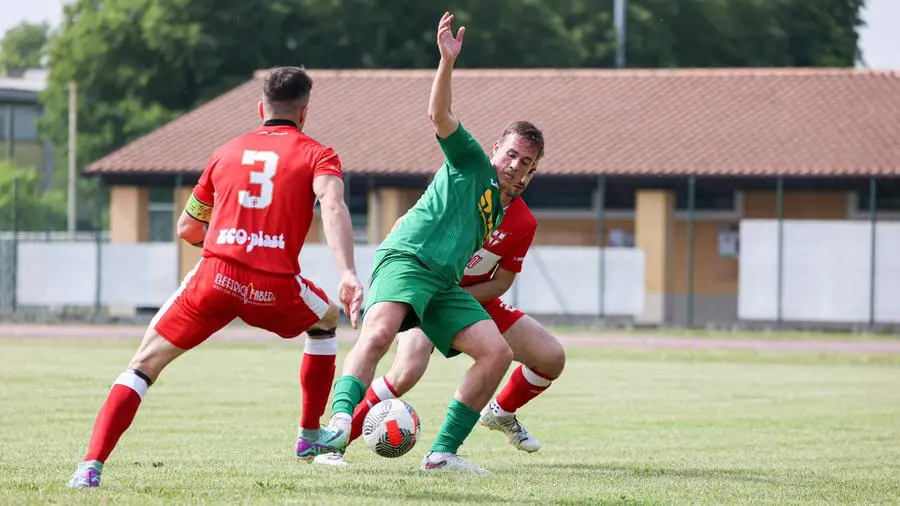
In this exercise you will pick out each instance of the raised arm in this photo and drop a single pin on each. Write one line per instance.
(439, 111)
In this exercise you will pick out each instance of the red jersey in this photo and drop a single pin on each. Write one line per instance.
(506, 247)
(260, 188)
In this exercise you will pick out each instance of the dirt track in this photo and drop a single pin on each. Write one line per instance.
(581, 339)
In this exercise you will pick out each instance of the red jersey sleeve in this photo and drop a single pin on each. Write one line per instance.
(200, 204)
(513, 260)
(328, 164)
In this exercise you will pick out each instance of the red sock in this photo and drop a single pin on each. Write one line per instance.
(116, 414)
(316, 376)
(380, 390)
(524, 385)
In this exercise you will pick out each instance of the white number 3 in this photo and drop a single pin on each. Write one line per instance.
(269, 160)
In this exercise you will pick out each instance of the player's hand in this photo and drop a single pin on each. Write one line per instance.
(350, 292)
(449, 45)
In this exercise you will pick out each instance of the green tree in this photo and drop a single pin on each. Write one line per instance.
(22, 47)
(140, 63)
(24, 205)
(743, 33)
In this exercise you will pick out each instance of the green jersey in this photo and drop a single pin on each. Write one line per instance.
(457, 213)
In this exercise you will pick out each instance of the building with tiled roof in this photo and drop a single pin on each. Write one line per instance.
(642, 135)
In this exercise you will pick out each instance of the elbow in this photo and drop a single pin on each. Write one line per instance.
(439, 118)
(332, 209)
(184, 229)
(433, 117)
(181, 230)
(191, 231)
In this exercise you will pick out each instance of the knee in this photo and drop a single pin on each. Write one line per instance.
(553, 361)
(378, 336)
(154, 354)
(498, 353)
(329, 320)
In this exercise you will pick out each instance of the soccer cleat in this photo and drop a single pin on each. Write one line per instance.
(517, 434)
(329, 440)
(437, 461)
(331, 459)
(87, 475)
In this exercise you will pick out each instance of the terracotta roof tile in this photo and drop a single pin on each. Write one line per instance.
(822, 122)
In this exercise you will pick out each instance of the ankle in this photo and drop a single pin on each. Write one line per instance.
(341, 421)
(308, 434)
(498, 410)
(91, 464)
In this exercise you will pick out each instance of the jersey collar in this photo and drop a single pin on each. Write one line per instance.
(279, 122)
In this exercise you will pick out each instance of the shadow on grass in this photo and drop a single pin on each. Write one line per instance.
(746, 475)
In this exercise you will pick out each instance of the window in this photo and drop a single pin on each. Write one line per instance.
(25, 123)
(705, 199)
(4, 121)
(622, 195)
(357, 196)
(561, 194)
(616, 199)
(887, 196)
(162, 214)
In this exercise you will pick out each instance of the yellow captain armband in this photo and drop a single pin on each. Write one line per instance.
(198, 210)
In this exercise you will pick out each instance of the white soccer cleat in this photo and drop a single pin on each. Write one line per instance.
(437, 461)
(507, 423)
(330, 459)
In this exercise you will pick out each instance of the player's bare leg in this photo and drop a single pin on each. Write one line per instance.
(413, 353)
(492, 355)
(122, 402)
(379, 328)
(316, 375)
(542, 359)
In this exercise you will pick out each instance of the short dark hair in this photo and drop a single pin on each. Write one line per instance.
(527, 130)
(286, 89)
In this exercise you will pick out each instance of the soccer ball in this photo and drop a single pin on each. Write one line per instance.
(391, 428)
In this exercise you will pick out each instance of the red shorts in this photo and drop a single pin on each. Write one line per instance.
(216, 292)
(503, 314)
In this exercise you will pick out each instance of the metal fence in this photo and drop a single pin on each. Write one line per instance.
(28, 213)
(801, 252)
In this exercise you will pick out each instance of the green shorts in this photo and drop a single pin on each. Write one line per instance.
(439, 308)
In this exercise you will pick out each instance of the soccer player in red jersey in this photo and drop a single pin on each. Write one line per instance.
(488, 275)
(250, 212)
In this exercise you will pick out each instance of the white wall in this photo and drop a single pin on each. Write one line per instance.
(825, 268)
(65, 273)
(566, 280)
(555, 279)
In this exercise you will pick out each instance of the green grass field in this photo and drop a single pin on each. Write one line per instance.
(621, 426)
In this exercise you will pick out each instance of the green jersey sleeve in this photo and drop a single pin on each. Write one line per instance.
(463, 152)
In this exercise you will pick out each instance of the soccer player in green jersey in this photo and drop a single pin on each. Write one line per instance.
(418, 267)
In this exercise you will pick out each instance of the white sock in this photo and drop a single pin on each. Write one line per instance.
(381, 389)
(497, 410)
(341, 421)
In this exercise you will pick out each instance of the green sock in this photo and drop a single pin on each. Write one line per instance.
(348, 392)
(458, 423)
